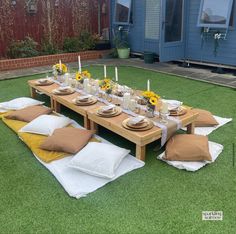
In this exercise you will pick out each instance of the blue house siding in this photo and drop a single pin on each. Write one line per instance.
(137, 40)
(194, 49)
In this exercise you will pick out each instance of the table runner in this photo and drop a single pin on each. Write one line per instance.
(168, 129)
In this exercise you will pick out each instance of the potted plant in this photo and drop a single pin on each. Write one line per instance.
(121, 43)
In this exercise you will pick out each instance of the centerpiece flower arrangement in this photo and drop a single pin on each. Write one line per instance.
(151, 99)
(60, 69)
(106, 85)
(83, 75)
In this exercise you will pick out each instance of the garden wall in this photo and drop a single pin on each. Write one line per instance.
(49, 21)
(11, 64)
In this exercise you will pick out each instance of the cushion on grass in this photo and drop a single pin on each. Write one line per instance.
(99, 159)
(33, 141)
(46, 124)
(70, 140)
(20, 103)
(187, 147)
(28, 114)
(204, 119)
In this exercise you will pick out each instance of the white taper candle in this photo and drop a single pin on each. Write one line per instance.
(116, 74)
(105, 71)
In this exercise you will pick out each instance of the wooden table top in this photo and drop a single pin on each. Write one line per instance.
(115, 123)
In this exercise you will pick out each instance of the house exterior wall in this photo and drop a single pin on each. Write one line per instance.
(194, 48)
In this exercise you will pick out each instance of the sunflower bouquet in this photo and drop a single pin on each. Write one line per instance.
(60, 69)
(106, 85)
(81, 76)
(151, 97)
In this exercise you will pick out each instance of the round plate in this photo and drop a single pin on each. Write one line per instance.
(91, 101)
(182, 111)
(117, 111)
(148, 127)
(143, 124)
(48, 82)
(58, 92)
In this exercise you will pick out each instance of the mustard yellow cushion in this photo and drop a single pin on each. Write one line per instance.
(33, 141)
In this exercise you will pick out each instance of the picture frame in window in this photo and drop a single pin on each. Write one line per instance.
(122, 12)
(214, 13)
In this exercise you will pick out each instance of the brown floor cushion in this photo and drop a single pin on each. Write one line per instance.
(205, 118)
(29, 113)
(70, 140)
(187, 147)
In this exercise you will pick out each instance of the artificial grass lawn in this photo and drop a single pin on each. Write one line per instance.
(155, 199)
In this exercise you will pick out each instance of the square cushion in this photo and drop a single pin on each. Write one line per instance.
(46, 124)
(187, 147)
(69, 140)
(99, 159)
(204, 119)
(29, 113)
(20, 103)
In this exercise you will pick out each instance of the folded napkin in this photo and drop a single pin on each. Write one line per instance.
(64, 89)
(136, 120)
(173, 104)
(107, 108)
(44, 80)
(83, 98)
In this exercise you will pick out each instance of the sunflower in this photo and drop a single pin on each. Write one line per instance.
(78, 76)
(153, 101)
(108, 86)
(57, 67)
(86, 74)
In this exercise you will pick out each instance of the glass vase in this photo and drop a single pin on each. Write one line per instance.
(150, 111)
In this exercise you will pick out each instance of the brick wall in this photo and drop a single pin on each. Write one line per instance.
(11, 64)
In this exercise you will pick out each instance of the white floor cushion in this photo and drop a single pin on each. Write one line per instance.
(214, 148)
(20, 103)
(99, 159)
(46, 124)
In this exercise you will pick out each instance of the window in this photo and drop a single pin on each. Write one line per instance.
(122, 11)
(215, 13)
(152, 22)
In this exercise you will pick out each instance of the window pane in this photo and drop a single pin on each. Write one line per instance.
(173, 20)
(215, 11)
(122, 11)
(152, 22)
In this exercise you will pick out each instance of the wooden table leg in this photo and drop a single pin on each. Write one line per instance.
(52, 102)
(33, 92)
(190, 128)
(141, 152)
(93, 126)
(56, 106)
(87, 123)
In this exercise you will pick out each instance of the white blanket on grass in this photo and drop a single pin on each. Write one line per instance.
(78, 184)
(207, 130)
(214, 148)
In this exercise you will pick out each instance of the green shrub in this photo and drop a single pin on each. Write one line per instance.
(48, 48)
(23, 49)
(71, 44)
(86, 41)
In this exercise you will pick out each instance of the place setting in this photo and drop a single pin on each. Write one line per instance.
(44, 82)
(175, 108)
(138, 123)
(109, 111)
(63, 90)
(85, 100)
